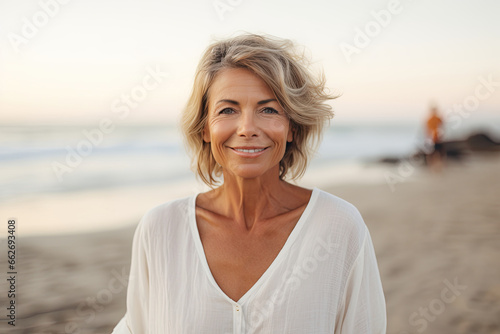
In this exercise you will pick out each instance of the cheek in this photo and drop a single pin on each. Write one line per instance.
(279, 129)
(220, 131)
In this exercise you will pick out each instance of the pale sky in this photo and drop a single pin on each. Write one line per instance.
(71, 61)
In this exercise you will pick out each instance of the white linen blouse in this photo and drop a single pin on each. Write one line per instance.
(325, 279)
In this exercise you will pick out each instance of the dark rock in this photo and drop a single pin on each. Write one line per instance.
(454, 149)
(482, 142)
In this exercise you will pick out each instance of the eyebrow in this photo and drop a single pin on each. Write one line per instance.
(236, 102)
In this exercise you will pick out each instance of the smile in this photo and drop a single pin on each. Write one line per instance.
(256, 150)
(249, 152)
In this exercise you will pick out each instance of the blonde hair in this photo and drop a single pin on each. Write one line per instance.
(301, 94)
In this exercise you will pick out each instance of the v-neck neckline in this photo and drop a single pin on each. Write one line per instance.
(289, 241)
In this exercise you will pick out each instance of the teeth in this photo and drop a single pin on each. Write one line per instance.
(249, 151)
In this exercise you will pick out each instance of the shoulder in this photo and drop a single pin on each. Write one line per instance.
(165, 215)
(341, 220)
(339, 211)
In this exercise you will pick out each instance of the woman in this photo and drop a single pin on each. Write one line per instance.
(255, 254)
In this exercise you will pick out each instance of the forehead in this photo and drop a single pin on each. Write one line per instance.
(238, 83)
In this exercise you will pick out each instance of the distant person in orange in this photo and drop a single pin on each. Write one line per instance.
(434, 130)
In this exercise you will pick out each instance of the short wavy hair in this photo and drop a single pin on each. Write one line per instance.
(286, 71)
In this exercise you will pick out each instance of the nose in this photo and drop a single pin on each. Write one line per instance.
(247, 126)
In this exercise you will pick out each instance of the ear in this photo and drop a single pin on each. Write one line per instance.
(206, 134)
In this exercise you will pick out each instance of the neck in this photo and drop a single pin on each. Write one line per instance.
(251, 201)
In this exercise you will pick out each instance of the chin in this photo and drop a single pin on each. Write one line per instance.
(250, 172)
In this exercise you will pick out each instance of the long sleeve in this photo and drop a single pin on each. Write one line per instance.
(363, 310)
(135, 320)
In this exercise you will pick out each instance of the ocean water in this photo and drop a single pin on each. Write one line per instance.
(41, 160)
(62, 179)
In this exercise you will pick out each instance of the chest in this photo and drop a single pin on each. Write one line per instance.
(237, 261)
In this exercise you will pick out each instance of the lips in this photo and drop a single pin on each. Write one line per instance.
(256, 150)
(250, 151)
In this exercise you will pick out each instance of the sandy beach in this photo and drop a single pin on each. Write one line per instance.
(435, 235)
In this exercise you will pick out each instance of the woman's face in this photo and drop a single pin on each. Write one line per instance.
(246, 128)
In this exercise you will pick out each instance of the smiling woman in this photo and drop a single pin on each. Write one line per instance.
(244, 257)
(284, 72)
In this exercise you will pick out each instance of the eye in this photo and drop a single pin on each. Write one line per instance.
(226, 111)
(269, 110)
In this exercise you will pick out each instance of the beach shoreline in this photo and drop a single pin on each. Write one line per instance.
(68, 213)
